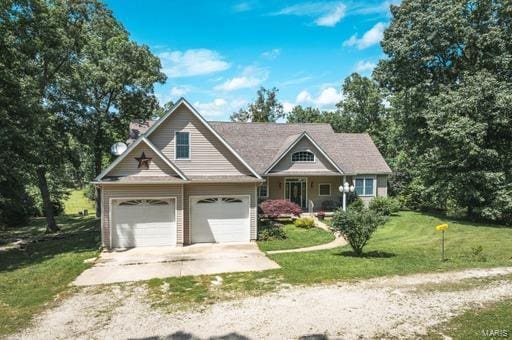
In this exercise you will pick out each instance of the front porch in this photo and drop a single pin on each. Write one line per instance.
(311, 193)
(320, 192)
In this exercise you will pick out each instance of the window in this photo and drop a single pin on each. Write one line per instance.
(263, 190)
(324, 189)
(364, 186)
(208, 200)
(144, 202)
(231, 200)
(303, 156)
(182, 145)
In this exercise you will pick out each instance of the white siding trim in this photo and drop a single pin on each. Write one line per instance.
(183, 101)
(140, 197)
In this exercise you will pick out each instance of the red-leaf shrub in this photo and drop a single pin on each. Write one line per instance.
(275, 208)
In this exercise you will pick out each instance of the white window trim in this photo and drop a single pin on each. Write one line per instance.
(297, 151)
(364, 178)
(176, 146)
(263, 184)
(296, 179)
(319, 192)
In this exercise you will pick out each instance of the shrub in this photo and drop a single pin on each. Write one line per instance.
(304, 222)
(357, 227)
(384, 205)
(356, 204)
(328, 205)
(271, 231)
(275, 208)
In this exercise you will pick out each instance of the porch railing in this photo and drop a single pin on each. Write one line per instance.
(311, 207)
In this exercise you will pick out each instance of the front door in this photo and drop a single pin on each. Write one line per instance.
(295, 191)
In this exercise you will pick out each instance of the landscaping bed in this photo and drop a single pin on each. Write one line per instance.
(297, 238)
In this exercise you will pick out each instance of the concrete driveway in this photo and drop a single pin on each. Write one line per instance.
(159, 262)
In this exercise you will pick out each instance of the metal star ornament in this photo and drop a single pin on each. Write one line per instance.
(143, 160)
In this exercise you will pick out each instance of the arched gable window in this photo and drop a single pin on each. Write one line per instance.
(303, 156)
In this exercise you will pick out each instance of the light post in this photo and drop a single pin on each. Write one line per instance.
(345, 188)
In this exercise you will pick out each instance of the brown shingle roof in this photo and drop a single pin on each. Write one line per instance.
(259, 144)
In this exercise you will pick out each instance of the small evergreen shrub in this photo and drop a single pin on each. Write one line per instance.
(274, 208)
(356, 204)
(384, 205)
(271, 231)
(304, 222)
(357, 226)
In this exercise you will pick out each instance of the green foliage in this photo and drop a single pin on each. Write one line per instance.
(356, 204)
(304, 222)
(449, 103)
(301, 114)
(271, 231)
(384, 205)
(266, 108)
(357, 226)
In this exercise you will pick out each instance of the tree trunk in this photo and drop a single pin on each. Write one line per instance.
(98, 155)
(51, 225)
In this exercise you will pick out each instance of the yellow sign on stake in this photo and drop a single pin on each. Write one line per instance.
(442, 227)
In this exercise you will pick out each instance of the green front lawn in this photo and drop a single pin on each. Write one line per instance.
(30, 279)
(297, 238)
(493, 321)
(406, 244)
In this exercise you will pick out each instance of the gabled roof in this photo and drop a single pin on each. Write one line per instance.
(290, 143)
(260, 144)
(183, 101)
(132, 146)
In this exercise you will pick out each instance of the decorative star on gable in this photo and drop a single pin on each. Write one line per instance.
(143, 160)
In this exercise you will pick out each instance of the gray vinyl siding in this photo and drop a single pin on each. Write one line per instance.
(320, 164)
(208, 155)
(129, 165)
(143, 190)
(381, 190)
(220, 189)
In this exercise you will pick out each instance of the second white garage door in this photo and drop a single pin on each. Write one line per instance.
(219, 219)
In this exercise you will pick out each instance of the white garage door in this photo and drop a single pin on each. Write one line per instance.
(219, 219)
(143, 223)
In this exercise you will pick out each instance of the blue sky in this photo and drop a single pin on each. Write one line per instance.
(218, 53)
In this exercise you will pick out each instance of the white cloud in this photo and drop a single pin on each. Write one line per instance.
(370, 38)
(288, 107)
(192, 62)
(364, 66)
(331, 18)
(303, 97)
(325, 13)
(329, 96)
(242, 7)
(179, 91)
(250, 77)
(272, 54)
(219, 107)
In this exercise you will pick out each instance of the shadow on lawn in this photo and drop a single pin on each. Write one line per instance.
(369, 254)
(77, 235)
(466, 221)
(180, 335)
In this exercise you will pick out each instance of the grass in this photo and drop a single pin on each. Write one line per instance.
(32, 278)
(76, 202)
(478, 323)
(297, 238)
(406, 244)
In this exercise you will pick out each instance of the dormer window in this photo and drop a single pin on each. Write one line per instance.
(303, 156)
(182, 145)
